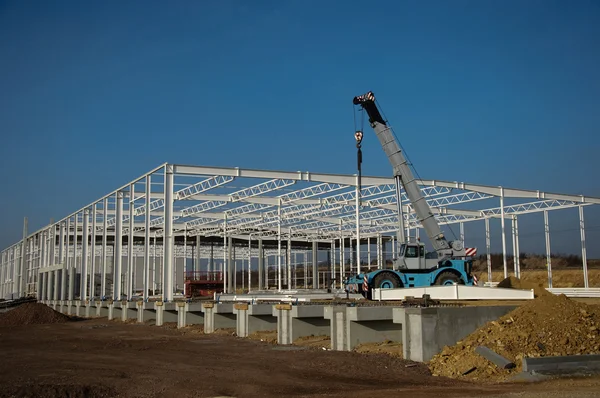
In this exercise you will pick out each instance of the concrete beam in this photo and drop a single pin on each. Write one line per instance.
(563, 364)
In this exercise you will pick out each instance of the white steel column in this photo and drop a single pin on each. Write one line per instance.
(462, 233)
(130, 258)
(379, 251)
(342, 254)
(224, 271)
(503, 232)
(84, 254)
(279, 247)
(514, 245)
(104, 256)
(517, 250)
(249, 263)
(118, 247)
(487, 248)
(583, 250)
(315, 271)
(22, 260)
(369, 252)
(154, 265)
(548, 252)
(288, 259)
(147, 238)
(333, 260)
(65, 261)
(93, 253)
(73, 269)
(55, 272)
(168, 234)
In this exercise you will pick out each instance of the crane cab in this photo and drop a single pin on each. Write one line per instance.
(413, 256)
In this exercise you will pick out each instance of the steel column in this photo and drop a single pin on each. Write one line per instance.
(147, 217)
(168, 234)
(261, 265)
(279, 247)
(583, 249)
(118, 258)
(548, 252)
(130, 238)
(84, 255)
(315, 272)
(104, 243)
(73, 269)
(517, 250)
(487, 249)
(65, 261)
(514, 245)
(503, 232)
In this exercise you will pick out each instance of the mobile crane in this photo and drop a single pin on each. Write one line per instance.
(414, 267)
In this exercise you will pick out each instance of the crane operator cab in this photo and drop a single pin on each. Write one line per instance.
(413, 256)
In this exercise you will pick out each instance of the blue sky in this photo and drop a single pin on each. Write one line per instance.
(94, 94)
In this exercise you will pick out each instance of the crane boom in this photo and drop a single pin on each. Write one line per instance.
(402, 171)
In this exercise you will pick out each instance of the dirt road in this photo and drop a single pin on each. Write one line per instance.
(101, 358)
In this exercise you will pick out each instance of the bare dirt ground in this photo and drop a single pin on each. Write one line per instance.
(101, 358)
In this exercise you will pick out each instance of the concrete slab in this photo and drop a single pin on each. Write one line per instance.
(454, 292)
(425, 331)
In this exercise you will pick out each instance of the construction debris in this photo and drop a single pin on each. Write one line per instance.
(548, 325)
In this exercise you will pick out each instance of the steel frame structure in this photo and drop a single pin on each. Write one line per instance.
(197, 205)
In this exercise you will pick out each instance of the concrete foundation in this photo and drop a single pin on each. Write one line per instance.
(128, 310)
(425, 331)
(294, 322)
(254, 318)
(351, 326)
(101, 309)
(218, 316)
(165, 312)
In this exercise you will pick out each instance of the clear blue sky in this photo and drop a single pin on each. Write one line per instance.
(93, 94)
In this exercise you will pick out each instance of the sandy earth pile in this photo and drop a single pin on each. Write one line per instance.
(548, 325)
(30, 314)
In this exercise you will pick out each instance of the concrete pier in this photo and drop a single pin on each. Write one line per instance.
(425, 331)
(189, 314)
(254, 318)
(351, 326)
(295, 321)
(128, 310)
(101, 309)
(218, 316)
(165, 312)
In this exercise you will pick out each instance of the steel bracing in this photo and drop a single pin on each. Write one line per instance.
(196, 213)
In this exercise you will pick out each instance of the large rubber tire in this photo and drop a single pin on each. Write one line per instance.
(448, 278)
(386, 280)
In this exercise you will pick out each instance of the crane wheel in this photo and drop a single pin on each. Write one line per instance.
(448, 278)
(386, 280)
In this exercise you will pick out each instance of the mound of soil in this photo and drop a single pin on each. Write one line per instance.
(30, 314)
(515, 283)
(548, 325)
